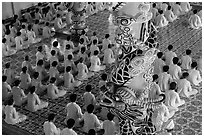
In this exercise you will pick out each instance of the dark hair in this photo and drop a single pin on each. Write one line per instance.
(185, 74)
(23, 26)
(159, 54)
(178, 3)
(69, 10)
(51, 117)
(169, 7)
(4, 78)
(53, 52)
(170, 47)
(94, 33)
(29, 27)
(4, 40)
(83, 32)
(188, 52)
(154, 5)
(81, 40)
(109, 46)
(104, 76)
(26, 58)
(32, 89)
(68, 38)
(18, 33)
(107, 36)
(172, 86)
(68, 68)
(95, 41)
(37, 10)
(55, 44)
(47, 23)
(10, 102)
(155, 77)
(73, 97)
(54, 63)
(7, 65)
(81, 60)
(36, 21)
(17, 82)
(90, 108)
(40, 62)
(83, 49)
(35, 75)
(160, 11)
(69, 57)
(195, 11)
(40, 48)
(110, 116)
(8, 32)
(28, 10)
(96, 52)
(68, 46)
(52, 80)
(58, 15)
(175, 60)
(70, 123)
(88, 88)
(139, 52)
(24, 69)
(165, 68)
(194, 64)
(92, 132)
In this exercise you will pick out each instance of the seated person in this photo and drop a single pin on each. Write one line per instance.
(69, 15)
(27, 63)
(38, 16)
(195, 20)
(155, 90)
(169, 55)
(24, 33)
(170, 16)
(108, 55)
(19, 41)
(94, 37)
(53, 72)
(194, 75)
(6, 49)
(53, 57)
(91, 121)
(41, 70)
(186, 7)
(18, 94)
(40, 88)
(164, 79)
(103, 81)
(36, 28)
(160, 20)
(34, 102)
(13, 117)
(109, 125)
(88, 97)
(69, 130)
(106, 42)
(47, 31)
(68, 41)
(73, 110)
(69, 81)
(10, 73)
(94, 46)
(52, 90)
(39, 55)
(184, 87)
(172, 100)
(154, 11)
(158, 63)
(96, 63)
(25, 79)
(82, 54)
(89, 9)
(31, 36)
(177, 9)
(6, 89)
(70, 62)
(83, 72)
(58, 23)
(49, 126)
(175, 70)
(10, 40)
(186, 60)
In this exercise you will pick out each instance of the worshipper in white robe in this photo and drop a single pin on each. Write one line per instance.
(34, 102)
(194, 75)
(106, 42)
(94, 46)
(159, 5)
(83, 72)
(13, 117)
(49, 126)
(186, 7)
(10, 40)
(186, 60)
(154, 11)
(170, 16)
(109, 125)
(6, 89)
(25, 79)
(169, 55)
(164, 79)
(161, 117)
(94, 37)
(69, 130)
(164, 6)
(19, 41)
(172, 100)
(47, 31)
(195, 20)
(158, 63)
(58, 23)
(36, 28)
(89, 9)
(96, 63)
(175, 70)
(69, 81)
(88, 97)
(52, 90)
(73, 110)
(23, 31)
(69, 15)
(160, 20)
(108, 56)
(10, 73)
(31, 36)
(99, 6)
(155, 90)
(184, 87)
(177, 9)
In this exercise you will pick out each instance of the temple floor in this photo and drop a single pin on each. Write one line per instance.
(188, 120)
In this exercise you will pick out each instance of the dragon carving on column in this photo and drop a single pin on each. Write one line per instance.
(132, 76)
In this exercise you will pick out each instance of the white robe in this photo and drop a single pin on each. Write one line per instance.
(96, 64)
(186, 62)
(170, 16)
(164, 81)
(161, 21)
(195, 21)
(194, 77)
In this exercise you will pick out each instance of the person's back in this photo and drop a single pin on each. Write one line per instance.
(194, 76)
(108, 56)
(155, 91)
(6, 88)
(164, 80)
(186, 62)
(51, 91)
(183, 86)
(177, 9)
(9, 114)
(170, 98)
(68, 79)
(10, 75)
(90, 121)
(175, 71)
(46, 32)
(25, 80)
(169, 15)
(49, 127)
(31, 102)
(169, 55)
(18, 95)
(105, 43)
(158, 65)
(89, 98)
(109, 127)
(73, 111)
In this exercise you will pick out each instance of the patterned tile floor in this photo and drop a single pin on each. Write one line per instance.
(187, 120)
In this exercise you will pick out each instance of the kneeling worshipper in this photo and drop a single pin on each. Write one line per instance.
(184, 87)
(195, 20)
(170, 16)
(155, 90)
(13, 117)
(160, 20)
(96, 63)
(186, 7)
(34, 102)
(194, 75)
